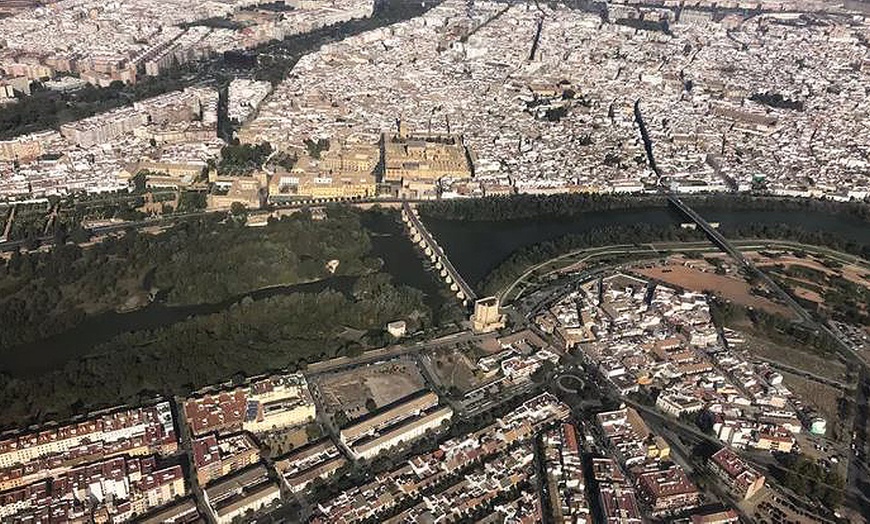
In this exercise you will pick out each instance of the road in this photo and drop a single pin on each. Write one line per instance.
(856, 481)
(589, 253)
(858, 473)
(13, 245)
(369, 357)
(543, 297)
(672, 430)
(436, 385)
(322, 416)
(752, 244)
(185, 441)
(762, 460)
(9, 220)
(521, 311)
(805, 374)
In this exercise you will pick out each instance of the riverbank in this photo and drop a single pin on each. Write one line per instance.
(79, 341)
(247, 338)
(566, 205)
(385, 244)
(482, 249)
(201, 261)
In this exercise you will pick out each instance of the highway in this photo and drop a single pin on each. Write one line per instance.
(504, 296)
(590, 253)
(858, 482)
(587, 254)
(723, 243)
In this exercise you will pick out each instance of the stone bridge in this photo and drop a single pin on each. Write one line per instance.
(421, 236)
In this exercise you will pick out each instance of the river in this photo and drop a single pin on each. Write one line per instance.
(400, 259)
(476, 248)
(81, 340)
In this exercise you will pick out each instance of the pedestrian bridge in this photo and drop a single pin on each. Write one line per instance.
(421, 236)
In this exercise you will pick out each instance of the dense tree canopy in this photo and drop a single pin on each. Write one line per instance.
(243, 159)
(566, 205)
(806, 477)
(249, 338)
(532, 206)
(207, 260)
(197, 261)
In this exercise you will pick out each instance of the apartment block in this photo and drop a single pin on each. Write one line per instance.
(741, 478)
(215, 457)
(26, 457)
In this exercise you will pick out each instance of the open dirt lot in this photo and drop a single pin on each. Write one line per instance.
(454, 369)
(729, 287)
(828, 368)
(852, 273)
(820, 396)
(383, 383)
(808, 294)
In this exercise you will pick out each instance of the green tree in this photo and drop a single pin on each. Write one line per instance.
(239, 212)
(138, 181)
(191, 201)
(313, 431)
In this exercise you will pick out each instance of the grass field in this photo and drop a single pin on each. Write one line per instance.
(284, 441)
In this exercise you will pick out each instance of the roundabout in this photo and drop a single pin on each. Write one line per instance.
(570, 383)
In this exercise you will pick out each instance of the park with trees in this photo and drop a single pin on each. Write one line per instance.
(207, 260)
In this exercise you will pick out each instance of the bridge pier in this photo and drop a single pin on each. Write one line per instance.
(421, 237)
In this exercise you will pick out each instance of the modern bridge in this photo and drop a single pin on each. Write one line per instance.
(717, 238)
(857, 475)
(421, 236)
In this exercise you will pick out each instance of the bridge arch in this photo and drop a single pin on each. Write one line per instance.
(421, 236)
